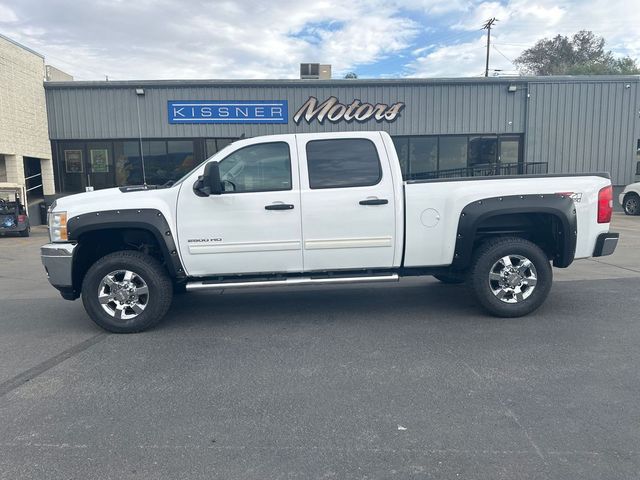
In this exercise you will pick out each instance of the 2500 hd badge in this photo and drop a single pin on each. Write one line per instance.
(204, 240)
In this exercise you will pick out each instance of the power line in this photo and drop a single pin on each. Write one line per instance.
(487, 26)
(510, 61)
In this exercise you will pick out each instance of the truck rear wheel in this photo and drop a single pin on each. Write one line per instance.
(510, 276)
(126, 292)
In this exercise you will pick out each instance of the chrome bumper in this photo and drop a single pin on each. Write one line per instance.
(57, 259)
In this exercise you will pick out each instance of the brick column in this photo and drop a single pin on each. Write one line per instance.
(48, 185)
(15, 169)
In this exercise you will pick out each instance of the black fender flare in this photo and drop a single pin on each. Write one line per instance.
(149, 219)
(559, 206)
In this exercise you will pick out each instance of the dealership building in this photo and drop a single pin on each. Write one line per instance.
(102, 132)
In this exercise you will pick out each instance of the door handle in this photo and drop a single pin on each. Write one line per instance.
(374, 201)
(279, 206)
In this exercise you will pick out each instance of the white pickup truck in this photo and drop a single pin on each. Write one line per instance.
(328, 208)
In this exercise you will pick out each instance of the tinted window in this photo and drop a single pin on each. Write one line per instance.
(453, 153)
(257, 168)
(342, 163)
(214, 145)
(164, 161)
(402, 149)
(423, 155)
(509, 150)
(483, 150)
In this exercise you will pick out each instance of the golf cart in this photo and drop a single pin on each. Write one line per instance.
(13, 212)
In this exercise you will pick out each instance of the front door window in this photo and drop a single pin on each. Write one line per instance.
(257, 168)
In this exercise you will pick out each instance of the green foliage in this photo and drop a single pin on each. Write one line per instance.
(583, 54)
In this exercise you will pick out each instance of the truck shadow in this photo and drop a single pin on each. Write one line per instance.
(426, 300)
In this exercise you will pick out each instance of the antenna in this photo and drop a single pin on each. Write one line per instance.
(140, 93)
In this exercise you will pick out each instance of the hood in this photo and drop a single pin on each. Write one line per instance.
(78, 199)
(123, 198)
(632, 186)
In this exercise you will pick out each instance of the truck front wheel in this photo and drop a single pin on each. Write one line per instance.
(510, 276)
(126, 292)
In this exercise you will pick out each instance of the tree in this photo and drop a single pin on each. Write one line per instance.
(351, 76)
(583, 54)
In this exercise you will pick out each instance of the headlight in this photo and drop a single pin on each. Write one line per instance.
(58, 226)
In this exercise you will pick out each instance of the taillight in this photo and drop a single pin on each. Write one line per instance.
(22, 218)
(605, 204)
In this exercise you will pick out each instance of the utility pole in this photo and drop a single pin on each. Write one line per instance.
(487, 26)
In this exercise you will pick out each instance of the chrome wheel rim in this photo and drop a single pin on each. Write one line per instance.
(123, 294)
(631, 206)
(513, 278)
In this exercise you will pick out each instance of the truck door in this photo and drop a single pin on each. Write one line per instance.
(348, 206)
(254, 225)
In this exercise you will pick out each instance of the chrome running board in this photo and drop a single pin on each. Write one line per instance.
(291, 281)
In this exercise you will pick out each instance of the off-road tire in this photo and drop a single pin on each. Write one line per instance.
(149, 269)
(491, 252)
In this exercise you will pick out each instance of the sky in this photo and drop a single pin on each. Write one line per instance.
(258, 39)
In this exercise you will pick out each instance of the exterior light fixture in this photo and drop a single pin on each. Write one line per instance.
(512, 88)
(139, 91)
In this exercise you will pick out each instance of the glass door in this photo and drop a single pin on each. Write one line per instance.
(509, 156)
(73, 172)
(99, 165)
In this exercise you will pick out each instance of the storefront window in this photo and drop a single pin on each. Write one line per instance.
(483, 150)
(423, 155)
(453, 153)
(128, 166)
(402, 149)
(214, 145)
(100, 165)
(71, 167)
(156, 165)
(167, 160)
(181, 157)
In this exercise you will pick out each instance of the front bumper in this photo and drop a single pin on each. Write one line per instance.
(606, 244)
(621, 198)
(57, 259)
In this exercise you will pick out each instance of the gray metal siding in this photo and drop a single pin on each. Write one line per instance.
(584, 126)
(110, 112)
(576, 124)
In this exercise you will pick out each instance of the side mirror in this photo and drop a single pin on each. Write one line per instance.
(209, 182)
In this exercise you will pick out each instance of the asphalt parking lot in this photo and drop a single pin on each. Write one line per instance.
(404, 381)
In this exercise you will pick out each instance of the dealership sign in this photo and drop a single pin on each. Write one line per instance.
(334, 111)
(222, 111)
(276, 111)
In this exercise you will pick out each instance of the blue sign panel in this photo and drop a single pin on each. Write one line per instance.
(222, 111)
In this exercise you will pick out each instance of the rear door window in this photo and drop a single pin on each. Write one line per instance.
(341, 163)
